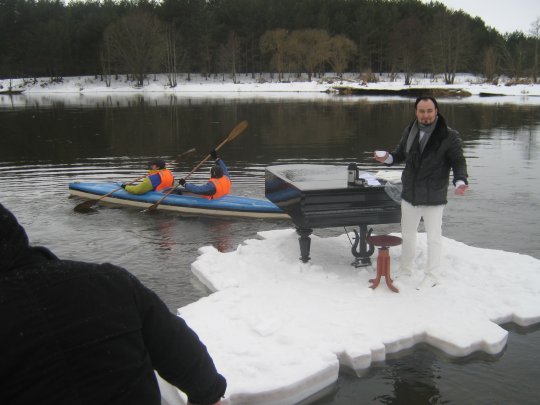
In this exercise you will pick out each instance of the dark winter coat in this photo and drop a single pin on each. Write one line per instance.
(425, 178)
(76, 333)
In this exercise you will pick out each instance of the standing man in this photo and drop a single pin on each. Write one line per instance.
(219, 184)
(158, 179)
(429, 149)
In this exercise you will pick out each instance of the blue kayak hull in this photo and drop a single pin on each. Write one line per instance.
(230, 205)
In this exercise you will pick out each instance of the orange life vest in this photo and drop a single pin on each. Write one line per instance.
(222, 185)
(167, 179)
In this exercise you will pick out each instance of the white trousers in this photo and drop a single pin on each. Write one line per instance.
(410, 219)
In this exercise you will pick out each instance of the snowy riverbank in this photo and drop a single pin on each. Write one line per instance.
(262, 84)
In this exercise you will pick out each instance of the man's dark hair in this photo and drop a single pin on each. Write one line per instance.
(216, 172)
(160, 163)
(425, 98)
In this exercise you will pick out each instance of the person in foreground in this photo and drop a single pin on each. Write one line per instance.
(429, 149)
(158, 179)
(219, 184)
(77, 333)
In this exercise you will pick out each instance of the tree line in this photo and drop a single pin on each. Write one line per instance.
(210, 37)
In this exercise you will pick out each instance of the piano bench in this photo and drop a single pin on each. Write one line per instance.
(383, 242)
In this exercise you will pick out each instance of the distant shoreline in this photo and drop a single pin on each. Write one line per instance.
(410, 92)
(465, 85)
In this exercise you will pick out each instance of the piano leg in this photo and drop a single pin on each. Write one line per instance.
(305, 243)
(359, 248)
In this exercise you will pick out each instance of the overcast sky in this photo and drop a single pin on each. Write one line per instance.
(503, 15)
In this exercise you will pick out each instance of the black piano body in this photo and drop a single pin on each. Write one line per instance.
(319, 196)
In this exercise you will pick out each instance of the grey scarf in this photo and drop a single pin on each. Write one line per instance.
(415, 131)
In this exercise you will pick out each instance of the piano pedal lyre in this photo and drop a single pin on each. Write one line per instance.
(359, 247)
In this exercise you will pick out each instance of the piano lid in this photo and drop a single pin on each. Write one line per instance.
(311, 177)
(323, 177)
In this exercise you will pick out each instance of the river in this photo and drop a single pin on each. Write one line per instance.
(46, 142)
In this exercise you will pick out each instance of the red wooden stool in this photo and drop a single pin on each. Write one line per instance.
(383, 242)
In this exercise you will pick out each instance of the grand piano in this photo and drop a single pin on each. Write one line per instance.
(324, 196)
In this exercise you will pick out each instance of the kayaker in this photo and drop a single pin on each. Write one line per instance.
(74, 332)
(219, 184)
(159, 178)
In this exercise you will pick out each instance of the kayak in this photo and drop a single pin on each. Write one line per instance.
(228, 206)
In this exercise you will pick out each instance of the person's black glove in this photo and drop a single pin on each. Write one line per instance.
(123, 185)
(182, 181)
(213, 153)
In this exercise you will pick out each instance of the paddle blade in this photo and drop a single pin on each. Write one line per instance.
(85, 206)
(237, 130)
(184, 154)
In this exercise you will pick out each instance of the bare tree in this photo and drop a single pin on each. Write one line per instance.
(490, 63)
(513, 54)
(310, 48)
(274, 42)
(228, 55)
(137, 44)
(449, 43)
(341, 50)
(171, 59)
(404, 47)
(105, 60)
(535, 33)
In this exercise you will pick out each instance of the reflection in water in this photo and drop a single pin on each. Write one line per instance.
(166, 236)
(414, 380)
(142, 127)
(222, 235)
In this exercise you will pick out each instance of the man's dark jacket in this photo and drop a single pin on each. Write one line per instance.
(79, 333)
(425, 178)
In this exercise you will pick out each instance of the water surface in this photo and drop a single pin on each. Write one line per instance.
(48, 142)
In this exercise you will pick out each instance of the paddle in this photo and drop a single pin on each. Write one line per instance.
(237, 130)
(86, 205)
(187, 152)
